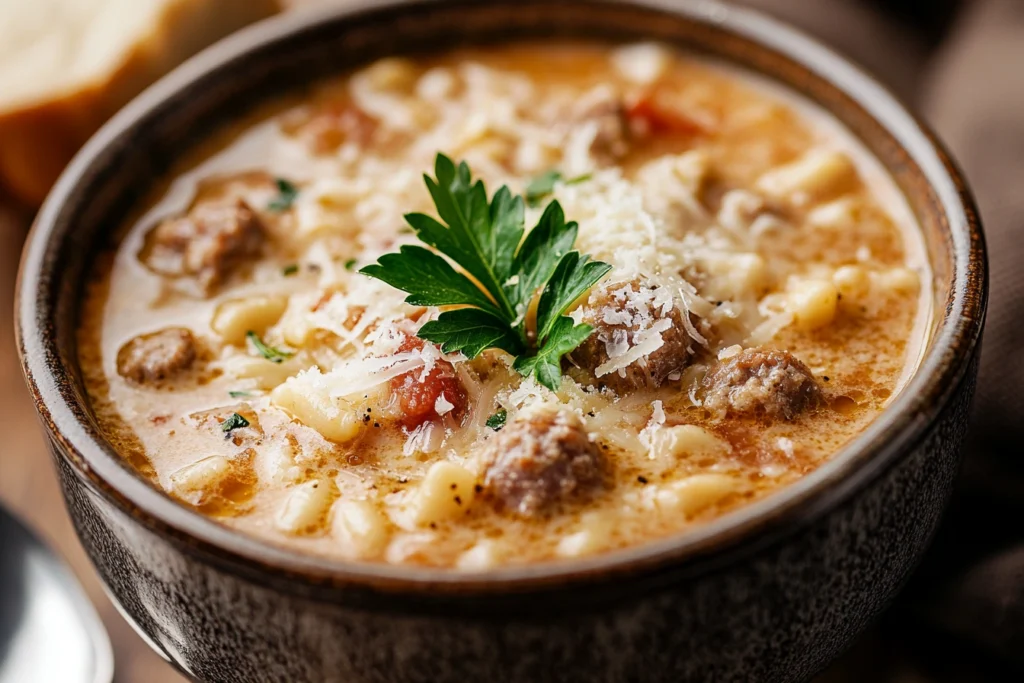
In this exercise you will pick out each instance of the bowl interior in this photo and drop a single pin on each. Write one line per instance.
(121, 164)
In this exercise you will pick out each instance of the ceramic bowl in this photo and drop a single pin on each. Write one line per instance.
(770, 592)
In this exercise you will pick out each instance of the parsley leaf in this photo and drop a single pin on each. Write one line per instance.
(480, 237)
(234, 421)
(501, 272)
(268, 352)
(286, 194)
(497, 421)
(429, 279)
(545, 363)
(470, 331)
(573, 277)
(541, 250)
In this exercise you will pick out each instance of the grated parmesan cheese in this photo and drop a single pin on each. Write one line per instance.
(730, 351)
(654, 425)
(442, 405)
(643, 63)
(426, 438)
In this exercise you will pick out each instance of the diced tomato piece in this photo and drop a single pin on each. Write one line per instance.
(649, 114)
(417, 398)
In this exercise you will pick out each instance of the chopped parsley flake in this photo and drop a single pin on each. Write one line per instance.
(497, 421)
(286, 194)
(235, 421)
(268, 352)
(290, 269)
(239, 394)
(350, 264)
(543, 185)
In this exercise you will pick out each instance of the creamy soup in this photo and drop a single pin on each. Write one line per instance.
(693, 289)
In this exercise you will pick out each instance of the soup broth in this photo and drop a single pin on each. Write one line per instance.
(763, 302)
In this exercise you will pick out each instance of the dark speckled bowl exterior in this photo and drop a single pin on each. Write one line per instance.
(771, 592)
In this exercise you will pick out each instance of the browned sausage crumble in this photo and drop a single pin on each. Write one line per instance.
(156, 357)
(762, 382)
(206, 244)
(540, 460)
(618, 316)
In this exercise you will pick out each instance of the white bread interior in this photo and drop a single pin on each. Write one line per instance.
(67, 65)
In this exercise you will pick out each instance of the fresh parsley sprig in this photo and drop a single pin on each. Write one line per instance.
(501, 273)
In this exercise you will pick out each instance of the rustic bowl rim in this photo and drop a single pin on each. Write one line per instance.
(734, 535)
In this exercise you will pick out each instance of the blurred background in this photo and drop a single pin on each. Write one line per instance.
(960, 63)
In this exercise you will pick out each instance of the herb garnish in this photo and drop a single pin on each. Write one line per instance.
(235, 421)
(290, 269)
(350, 264)
(239, 394)
(484, 239)
(286, 194)
(544, 184)
(268, 352)
(541, 186)
(497, 421)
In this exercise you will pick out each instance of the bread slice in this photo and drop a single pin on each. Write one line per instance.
(67, 65)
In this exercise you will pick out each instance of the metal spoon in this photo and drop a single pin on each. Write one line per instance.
(49, 631)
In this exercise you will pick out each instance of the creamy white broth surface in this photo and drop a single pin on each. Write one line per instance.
(765, 303)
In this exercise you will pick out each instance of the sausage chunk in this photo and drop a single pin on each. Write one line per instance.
(152, 358)
(761, 382)
(623, 315)
(541, 459)
(206, 244)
